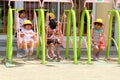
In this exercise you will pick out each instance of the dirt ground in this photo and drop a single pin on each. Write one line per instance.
(65, 70)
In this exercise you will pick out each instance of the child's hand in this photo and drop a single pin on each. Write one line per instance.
(22, 35)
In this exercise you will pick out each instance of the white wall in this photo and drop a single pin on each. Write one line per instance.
(102, 12)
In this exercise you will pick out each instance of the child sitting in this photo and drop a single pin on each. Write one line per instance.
(97, 35)
(53, 38)
(28, 37)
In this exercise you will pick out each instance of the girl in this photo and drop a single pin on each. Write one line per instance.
(53, 38)
(97, 38)
(28, 37)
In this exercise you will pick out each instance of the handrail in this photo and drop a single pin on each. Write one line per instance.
(99, 1)
(61, 1)
(26, 1)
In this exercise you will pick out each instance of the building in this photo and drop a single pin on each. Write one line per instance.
(100, 10)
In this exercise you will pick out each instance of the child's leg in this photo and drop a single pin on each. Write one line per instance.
(95, 51)
(24, 43)
(31, 47)
(99, 52)
(52, 54)
(58, 51)
(47, 52)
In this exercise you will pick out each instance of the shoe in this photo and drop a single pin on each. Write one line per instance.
(94, 57)
(25, 55)
(59, 57)
(97, 55)
(48, 57)
(19, 55)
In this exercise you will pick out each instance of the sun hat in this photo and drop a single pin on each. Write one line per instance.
(21, 9)
(28, 22)
(52, 16)
(99, 20)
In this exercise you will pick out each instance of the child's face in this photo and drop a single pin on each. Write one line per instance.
(28, 26)
(98, 26)
(22, 15)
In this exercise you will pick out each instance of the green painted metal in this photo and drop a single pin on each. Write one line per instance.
(71, 13)
(85, 12)
(43, 36)
(39, 26)
(115, 43)
(68, 34)
(113, 12)
(9, 48)
(74, 36)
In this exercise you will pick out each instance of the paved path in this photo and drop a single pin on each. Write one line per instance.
(64, 70)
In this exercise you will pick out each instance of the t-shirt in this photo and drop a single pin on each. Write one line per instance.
(28, 34)
(96, 34)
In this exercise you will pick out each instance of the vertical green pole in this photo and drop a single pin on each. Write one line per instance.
(118, 23)
(114, 12)
(80, 34)
(109, 34)
(9, 48)
(43, 35)
(88, 36)
(74, 36)
(68, 34)
(39, 26)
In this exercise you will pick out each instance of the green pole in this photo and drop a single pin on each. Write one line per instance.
(109, 34)
(39, 24)
(74, 36)
(88, 38)
(43, 35)
(9, 48)
(68, 34)
(118, 23)
(113, 12)
(88, 35)
(80, 33)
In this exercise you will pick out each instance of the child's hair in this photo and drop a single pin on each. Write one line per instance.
(98, 24)
(53, 24)
(21, 11)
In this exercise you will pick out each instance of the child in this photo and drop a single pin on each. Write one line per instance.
(21, 19)
(28, 37)
(97, 38)
(53, 38)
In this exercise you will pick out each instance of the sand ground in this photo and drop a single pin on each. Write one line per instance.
(65, 70)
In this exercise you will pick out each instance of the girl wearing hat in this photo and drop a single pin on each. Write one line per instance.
(96, 38)
(28, 37)
(52, 37)
(22, 18)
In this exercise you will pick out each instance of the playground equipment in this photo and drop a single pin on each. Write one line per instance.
(117, 44)
(71, 13)
(86, 12)
(9, 48)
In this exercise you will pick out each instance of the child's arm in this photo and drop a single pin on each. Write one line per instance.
(91, 33)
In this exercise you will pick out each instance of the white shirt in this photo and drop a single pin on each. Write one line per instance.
(28, 34)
